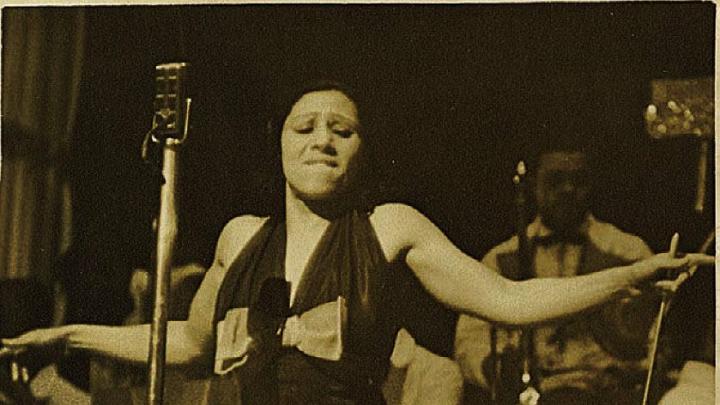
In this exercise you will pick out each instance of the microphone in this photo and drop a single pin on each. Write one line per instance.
(171, 108)
(171, 105)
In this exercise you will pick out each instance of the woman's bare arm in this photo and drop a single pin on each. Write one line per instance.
(466, 285)
(188, 341)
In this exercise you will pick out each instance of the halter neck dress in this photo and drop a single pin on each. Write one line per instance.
(347, 262)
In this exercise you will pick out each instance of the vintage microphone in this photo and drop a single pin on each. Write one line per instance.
(169, 130)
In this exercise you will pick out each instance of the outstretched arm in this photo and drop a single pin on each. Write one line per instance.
(125, 343)
(466, 285)
(188, 341)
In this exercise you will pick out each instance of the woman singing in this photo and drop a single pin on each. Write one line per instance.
(295, 308)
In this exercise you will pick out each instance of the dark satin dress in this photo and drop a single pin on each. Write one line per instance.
(349, 262)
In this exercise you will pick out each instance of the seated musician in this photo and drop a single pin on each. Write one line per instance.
(586, 359)
(295, 308)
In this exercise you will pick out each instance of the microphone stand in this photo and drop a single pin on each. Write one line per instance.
(170, 120)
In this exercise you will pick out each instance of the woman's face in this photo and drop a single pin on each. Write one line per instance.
(321, 145)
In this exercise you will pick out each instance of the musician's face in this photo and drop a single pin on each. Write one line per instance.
(321, 145)
(562, 190)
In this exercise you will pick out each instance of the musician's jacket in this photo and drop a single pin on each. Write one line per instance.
(596, 350)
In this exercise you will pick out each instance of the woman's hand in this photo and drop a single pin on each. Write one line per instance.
(667, 273)
(50, 340)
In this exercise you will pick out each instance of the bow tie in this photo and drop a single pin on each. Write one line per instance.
(574, 238)
(245, 339)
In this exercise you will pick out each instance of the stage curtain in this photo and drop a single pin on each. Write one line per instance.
(42, 59)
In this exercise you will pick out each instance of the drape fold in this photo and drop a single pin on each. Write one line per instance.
(43, 49)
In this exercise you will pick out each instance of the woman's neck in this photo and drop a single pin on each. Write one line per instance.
(313, 212)
(301, 213)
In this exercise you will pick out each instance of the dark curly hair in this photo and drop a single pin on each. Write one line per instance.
(368, 189)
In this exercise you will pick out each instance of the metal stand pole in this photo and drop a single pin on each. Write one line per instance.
(166, 234)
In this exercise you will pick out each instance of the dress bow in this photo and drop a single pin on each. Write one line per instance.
(316, 332)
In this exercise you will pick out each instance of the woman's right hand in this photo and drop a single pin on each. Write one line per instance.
(52, 340)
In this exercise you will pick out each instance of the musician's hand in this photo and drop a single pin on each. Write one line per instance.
(667, 273)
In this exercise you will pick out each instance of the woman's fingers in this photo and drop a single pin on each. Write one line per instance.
(679, 272)
(41, 345)
(11, 343)
(700, 259)
(13, 351)
(671, 286)
(666, 261)
(38, 337)
(26, 339)
(6, 352)
(666, 271)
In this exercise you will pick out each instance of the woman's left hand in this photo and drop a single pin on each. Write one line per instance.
(667, 272)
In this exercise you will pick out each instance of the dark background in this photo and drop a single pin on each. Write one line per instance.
(460, 93)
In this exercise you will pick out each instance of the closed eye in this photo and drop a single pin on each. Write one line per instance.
(303, 124)
(346, 133)
(343, 131)
(304, 130)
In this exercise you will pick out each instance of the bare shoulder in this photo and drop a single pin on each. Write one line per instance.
(235, 235)
(399, 227)
(395, 214)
